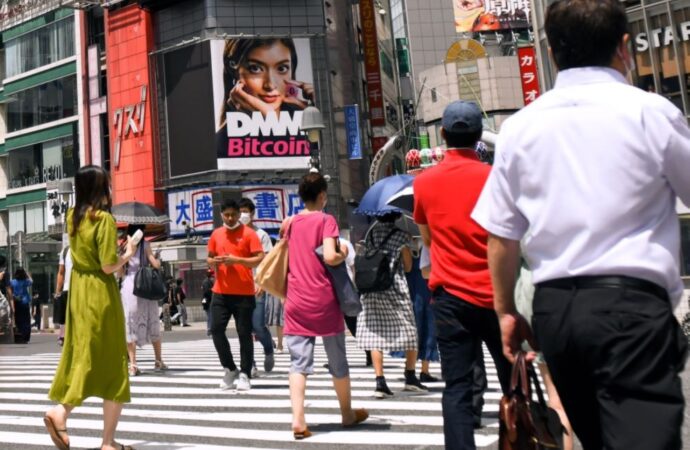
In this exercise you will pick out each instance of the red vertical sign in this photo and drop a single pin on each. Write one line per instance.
(372, 64)
(528, 74)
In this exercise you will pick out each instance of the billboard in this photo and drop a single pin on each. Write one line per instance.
(273, 204)
(190, 208)
(260, 87)
(491, 15)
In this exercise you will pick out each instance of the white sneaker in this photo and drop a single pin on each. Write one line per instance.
(255, 372)
(243, 383)
(229, 379)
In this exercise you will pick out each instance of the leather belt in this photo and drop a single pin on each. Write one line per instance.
(606, 281)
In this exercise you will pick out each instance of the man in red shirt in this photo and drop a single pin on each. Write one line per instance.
(445, 196)
(234, 250)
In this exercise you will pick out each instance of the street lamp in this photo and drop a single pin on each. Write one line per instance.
(312, 124)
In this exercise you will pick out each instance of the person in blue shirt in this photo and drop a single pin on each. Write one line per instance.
(20, 284)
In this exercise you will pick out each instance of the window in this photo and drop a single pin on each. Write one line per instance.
(37, 48)
(28, 218)
(40, 163)
(387, 65)
(48, 102)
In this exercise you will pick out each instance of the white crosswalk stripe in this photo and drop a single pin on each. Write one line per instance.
(183, 409)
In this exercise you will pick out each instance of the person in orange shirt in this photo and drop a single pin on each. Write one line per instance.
(233, 250)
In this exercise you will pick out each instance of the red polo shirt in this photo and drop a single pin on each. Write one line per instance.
(444, 197)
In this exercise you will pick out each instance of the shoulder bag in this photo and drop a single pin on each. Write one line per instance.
(148, 282)
(523, 424)
(271, 273)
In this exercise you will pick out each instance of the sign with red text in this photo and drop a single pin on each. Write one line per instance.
(528, 74)
(260, 87)
(372, 63)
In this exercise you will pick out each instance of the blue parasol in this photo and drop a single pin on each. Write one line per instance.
(374, 202)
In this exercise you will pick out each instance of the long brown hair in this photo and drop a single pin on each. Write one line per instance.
(92, 186)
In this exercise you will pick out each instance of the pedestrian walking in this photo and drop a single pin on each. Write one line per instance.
(387, 321)
(233, 251)
(351, 321)
(460, 282)
(61, 292)
(141, 314)
(20, 293)
(311, 306)
(36, 307)
(261, 331)
(179, 296)
(275, 318)
(596, 210)
(207, 289)
(94, 355)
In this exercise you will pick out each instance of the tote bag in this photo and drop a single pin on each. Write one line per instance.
(148, 282)
(271, 273)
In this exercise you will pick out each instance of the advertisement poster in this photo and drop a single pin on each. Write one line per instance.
(190, 208)
(260, 87)
(491, 15)
(273, 204)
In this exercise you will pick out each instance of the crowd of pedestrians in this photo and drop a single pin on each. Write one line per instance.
(579, 202)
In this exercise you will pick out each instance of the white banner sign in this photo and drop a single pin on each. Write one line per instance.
(193, 208)
(273, 204)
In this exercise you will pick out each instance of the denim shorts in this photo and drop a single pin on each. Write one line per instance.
(301, 350)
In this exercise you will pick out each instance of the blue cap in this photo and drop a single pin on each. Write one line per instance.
(462, 117)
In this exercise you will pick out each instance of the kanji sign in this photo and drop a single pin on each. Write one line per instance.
(352, 132)
(528, 74)
(372, 63)
(273, 204)
(191, 208)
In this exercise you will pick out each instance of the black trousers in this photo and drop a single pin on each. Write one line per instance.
(223, 307)
(614, 354)
(22, 317)
(460, 328)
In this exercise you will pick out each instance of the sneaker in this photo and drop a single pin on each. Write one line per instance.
(382, 391)
(229, 378)
(269, 362)
(427, 378)
(413, 385)
(255, 372)
(243, 383)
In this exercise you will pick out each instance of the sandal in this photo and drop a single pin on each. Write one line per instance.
(122, 446)
(360, 416)
(299, 435)
(160, 366)
(134, 370)
(54, 433)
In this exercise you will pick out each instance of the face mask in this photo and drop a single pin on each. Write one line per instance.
(628, 63)
(245, 218)
(234, 227)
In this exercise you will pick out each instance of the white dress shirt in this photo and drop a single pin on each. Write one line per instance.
(588, 175)
(66, 260)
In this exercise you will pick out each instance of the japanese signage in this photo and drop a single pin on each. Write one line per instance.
(128, 121)
(260, 90)
(528, 74)
(273, 204)
(352, 131)
(490, 15)
(663, 37)
(377, 142)
(372, 64)
(192, 208)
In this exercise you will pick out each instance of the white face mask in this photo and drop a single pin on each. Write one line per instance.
(234, 227)
(245, 218)
(628, 63)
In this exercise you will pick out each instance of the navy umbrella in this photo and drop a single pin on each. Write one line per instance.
(375, 200)
(403, 199)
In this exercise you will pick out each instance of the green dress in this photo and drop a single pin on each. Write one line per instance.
(94, 355)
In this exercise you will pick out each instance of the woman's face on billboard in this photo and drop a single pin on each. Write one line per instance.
(266, 72)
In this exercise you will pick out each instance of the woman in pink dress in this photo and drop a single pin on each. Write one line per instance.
(311, 307)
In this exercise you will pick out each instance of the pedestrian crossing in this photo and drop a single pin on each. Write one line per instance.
(183, 408)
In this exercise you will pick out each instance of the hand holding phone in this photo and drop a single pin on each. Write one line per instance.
(136, 237)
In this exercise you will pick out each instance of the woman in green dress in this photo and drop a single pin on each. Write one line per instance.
(94, 355)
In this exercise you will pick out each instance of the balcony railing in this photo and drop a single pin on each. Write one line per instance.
(15, 12)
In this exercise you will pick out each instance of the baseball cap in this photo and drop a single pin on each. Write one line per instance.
(462, 117)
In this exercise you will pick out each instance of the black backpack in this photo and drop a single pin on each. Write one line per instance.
(373, 266)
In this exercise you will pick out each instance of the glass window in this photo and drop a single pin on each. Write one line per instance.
(16, 214)
(40, 163)
(40, 47)
(34, 217)
(42, 104)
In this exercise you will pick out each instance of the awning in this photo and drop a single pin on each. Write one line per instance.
(180, 251)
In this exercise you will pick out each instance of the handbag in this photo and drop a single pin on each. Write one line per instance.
(271, 273)
(148, 281)
(345, 289)
(523, 424)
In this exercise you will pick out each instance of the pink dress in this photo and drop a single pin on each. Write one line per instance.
(311, 308)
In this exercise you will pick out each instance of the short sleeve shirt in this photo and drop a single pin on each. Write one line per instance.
(66, 260)
(243, 242)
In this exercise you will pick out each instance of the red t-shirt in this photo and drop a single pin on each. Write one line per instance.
(234, 279)
(445, 196)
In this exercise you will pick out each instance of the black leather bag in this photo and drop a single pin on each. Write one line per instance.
(149, 282)
(524, 424)
(373, 267)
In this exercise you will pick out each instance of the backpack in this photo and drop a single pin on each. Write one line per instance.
(373, 266)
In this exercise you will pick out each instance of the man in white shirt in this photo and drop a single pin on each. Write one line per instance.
(61, 290)
(588, 175)
(261, 331)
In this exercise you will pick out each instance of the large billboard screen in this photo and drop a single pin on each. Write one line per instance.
(260, 87)
(491, 15)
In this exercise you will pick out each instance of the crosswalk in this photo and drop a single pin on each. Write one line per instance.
(183, 408)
